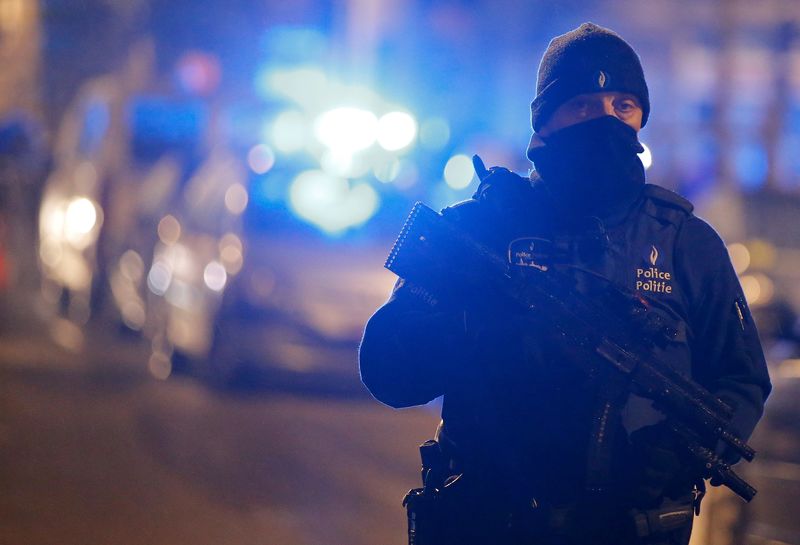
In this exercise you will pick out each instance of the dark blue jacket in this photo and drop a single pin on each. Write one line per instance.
(511, 404)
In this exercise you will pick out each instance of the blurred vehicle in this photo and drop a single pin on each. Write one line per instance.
(139, 221)
(70, 214)
(297, 310)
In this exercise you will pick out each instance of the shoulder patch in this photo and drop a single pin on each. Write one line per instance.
(664, 196)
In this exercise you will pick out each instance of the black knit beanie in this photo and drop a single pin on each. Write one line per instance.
(588, 59)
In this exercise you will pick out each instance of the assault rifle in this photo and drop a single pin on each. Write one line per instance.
(619, 331)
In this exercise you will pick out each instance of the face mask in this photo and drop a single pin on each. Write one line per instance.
(591, 168)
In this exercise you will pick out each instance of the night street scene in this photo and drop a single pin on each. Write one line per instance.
(197, 203)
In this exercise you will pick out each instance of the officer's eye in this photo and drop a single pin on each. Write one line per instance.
(625, 106)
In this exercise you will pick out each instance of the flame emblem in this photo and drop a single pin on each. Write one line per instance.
(601, 79)
(653, 255)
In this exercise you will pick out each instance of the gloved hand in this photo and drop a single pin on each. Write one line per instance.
(500, 188)
(659, 467)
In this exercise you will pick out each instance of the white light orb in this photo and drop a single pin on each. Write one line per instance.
(215, 276)
(236, 199)
(396, 130)
(159, 278)
(387, 172)
(458, 172)
(260, 158)
(347, 129)
(80, 218)
(331, 203)
(306, 86)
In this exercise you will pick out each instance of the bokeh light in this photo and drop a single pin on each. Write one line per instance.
(459, 172)
(169, 229)
(305, 86)
(160, 366)
(396, 130)
(231, 253)
(347, 129)
(343, 163)
(198, 72)
(331, 203)
(740, 257)
(81, 216)
(758, 289)
(289, 131)
(131, 266)
(215, 276)
(763, 254)
(388, 171)
(80, 220)
(159, 278)
(236, 199)
(260, 158)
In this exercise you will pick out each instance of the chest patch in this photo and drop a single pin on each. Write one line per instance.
(530, 252)
(652, 277)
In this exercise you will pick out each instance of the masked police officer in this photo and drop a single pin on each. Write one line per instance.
(517, 417)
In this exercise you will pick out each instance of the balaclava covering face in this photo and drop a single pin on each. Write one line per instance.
(591, 168)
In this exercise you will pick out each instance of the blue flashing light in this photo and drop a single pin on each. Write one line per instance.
(160, 124)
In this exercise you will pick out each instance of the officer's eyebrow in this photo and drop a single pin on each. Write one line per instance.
(629, 96)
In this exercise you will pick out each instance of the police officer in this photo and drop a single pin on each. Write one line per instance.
(517, 416)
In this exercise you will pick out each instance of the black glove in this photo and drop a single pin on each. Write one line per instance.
(659, 466)
(501, 189)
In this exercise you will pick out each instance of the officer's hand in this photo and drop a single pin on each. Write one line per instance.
(480, 168)
(500, 188)
(659, 466)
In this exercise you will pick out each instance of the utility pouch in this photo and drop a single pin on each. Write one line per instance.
(662, 521)
(423, 517)
(424, 505)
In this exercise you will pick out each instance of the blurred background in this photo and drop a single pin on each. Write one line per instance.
(196, 201)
